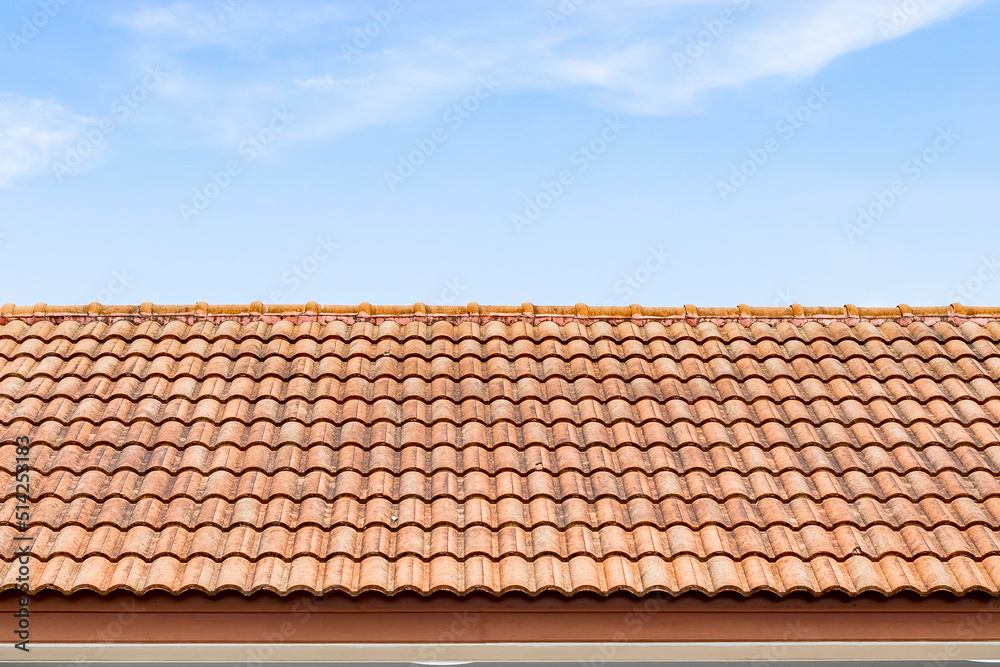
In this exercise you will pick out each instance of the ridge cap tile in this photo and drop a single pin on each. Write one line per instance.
(312, 311)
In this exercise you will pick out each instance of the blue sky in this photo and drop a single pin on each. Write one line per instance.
(658, 152)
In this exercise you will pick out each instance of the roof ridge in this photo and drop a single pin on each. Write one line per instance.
(743, 313)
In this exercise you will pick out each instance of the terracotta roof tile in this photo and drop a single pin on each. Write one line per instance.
(503, 448)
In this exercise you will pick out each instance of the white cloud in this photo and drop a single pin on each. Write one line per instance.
(694, 50)
(233, 23)
(329, 81)
(618, 55)
(34, 132)
(796, 40)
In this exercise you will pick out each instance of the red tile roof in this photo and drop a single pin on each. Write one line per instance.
(503, 449)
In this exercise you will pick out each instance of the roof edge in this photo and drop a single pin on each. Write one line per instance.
(796, 313)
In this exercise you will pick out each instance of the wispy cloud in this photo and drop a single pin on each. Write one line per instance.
(33, 132)
(330, 82)
(232, 23)
(795, 40)
(621, 56)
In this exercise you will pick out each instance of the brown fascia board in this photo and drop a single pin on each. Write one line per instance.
(122, 617)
